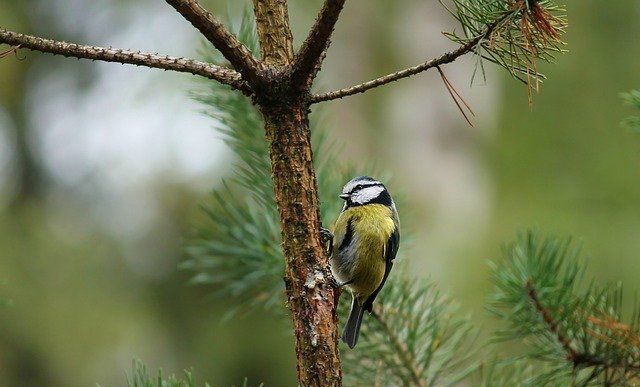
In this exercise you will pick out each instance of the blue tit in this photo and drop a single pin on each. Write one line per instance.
(365, 241)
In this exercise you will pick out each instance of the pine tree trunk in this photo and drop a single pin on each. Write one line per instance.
(311, 299)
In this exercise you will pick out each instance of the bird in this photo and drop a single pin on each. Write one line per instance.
(363, 246)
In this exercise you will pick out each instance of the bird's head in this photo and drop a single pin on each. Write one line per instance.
(363, 190)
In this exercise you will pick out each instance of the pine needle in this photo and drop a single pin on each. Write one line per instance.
(455, 96)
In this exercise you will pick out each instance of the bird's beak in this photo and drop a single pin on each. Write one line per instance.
(344, 196)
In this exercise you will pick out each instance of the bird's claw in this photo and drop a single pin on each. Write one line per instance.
(327, 239)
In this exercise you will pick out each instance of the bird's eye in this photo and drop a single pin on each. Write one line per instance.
(358, 186)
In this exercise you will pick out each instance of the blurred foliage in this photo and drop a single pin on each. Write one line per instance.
(140, 378)
(85, 301)
(632, 99)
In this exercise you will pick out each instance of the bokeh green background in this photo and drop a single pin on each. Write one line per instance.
(88, 259)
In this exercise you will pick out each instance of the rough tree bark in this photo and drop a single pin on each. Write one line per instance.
(309, 294)
(286, 117)
(276, 40)
(279, 85)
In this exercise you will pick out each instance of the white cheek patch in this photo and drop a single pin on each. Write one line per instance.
(353, 183)
(367, 194)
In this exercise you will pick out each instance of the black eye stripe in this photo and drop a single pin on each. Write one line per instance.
(361, 186)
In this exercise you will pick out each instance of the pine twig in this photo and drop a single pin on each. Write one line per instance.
(572, 354)
(408, 72)
(403, 352)
(73, 50)
(577, 358)
(231, 48)
(311, 54)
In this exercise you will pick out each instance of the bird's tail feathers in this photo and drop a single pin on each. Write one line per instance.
(352, 329)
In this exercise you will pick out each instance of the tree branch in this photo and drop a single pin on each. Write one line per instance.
(73, 50)
(310, 56)
(403, 352)
(443, 59)
(231, 48)
(274, 32)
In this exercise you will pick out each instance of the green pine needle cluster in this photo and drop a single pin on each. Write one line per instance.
(237, 253)
(501, 373)
(140, 377)
(412, 338)
(632, 99)
(521, 33)
(576, 330)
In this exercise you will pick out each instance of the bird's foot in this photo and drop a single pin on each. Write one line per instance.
(326, 237)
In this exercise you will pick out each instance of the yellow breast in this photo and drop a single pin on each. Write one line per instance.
(372, 227)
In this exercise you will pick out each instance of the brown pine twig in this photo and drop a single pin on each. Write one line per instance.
(231, 48)
(73, 50)
(311, 54)
(408, 72)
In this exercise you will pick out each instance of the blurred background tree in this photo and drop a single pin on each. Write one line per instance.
(95, 205)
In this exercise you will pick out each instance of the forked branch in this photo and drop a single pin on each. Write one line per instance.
(231, 48)
(448, 57)
(310, 57)
(73, 50)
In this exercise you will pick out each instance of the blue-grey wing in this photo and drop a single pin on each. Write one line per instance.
(390, 254)
(342, 233)
(343, 257)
